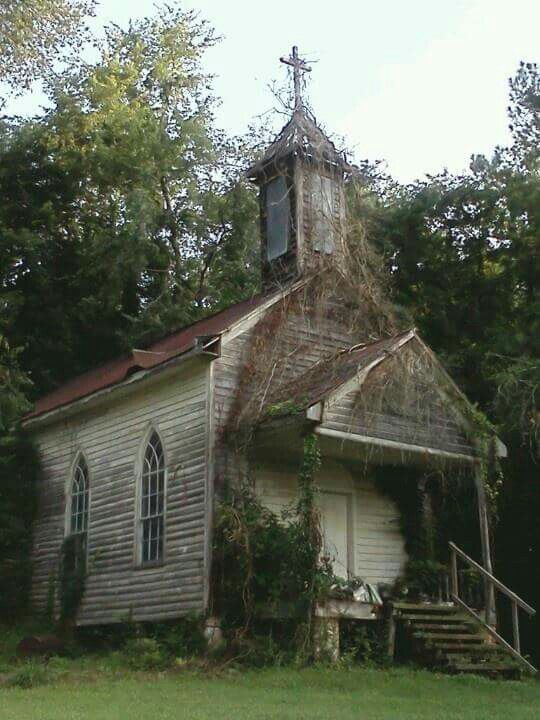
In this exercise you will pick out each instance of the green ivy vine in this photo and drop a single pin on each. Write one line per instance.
(274, 559)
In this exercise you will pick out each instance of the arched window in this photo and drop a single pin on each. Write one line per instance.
(152, 501)
(80, 498)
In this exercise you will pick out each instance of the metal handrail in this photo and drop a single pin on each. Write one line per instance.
(491, 582)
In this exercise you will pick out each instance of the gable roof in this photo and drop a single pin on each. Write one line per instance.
(330, 378)
(326, 376)
(173, 345)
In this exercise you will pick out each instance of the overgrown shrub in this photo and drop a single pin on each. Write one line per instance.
(262, 560)
(146, 654)
(452, 500)
(261, 651)
(180, 638)
(362, 642)
(31, 674)
(423, 577)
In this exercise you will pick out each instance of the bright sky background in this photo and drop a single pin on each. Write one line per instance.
(422, 84)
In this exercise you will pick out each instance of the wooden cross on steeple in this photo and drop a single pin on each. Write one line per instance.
(299, 66)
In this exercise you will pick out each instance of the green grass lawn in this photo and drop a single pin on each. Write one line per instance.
(100, 693)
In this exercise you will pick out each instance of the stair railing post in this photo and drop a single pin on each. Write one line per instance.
(485, 543)
(515, 626)
(453, 564)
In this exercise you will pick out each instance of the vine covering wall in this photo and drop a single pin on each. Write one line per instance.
(265, 564)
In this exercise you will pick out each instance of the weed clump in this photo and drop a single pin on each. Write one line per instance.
(29, 675)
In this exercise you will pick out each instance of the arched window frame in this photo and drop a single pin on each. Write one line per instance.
(79, 469)
(146, 516)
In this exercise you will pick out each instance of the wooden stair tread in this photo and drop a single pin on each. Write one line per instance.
(473, 636)
(481, 647)
(447, 638)
(435, 618)
(425, 607)
(484, 667)
(440, 627)
(463, 657)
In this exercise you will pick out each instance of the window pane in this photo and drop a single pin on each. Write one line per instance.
(79, 498)
(278, 209)
(152, 501)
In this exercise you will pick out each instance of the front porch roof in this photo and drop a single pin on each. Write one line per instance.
(352, 401)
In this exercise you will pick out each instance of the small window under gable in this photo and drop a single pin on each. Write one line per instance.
(152, 498)
(278, 212)
(79, 498)
(322, 202)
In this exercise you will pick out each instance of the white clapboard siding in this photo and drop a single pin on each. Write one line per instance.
(377, 543)
(379, 546)
(111, 437)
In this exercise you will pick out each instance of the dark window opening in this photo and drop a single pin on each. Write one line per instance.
(278, 210)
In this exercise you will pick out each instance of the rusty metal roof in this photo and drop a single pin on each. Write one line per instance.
(173, 345)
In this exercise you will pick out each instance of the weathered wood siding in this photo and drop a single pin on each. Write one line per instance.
(111, 437)
(302, 341)
(314, 207)
(399, 401)
(378, 552)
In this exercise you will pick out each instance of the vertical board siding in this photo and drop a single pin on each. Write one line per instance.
(111, 439)
(377, 543)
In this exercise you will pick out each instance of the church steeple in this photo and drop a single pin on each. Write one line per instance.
(302, 203)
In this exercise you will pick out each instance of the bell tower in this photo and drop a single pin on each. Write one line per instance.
(301, 195)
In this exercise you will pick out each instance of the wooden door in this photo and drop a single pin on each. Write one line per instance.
(334, 508)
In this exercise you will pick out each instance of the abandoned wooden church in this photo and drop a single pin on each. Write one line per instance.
(138, 453)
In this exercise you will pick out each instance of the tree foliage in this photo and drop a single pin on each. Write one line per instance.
(121, 205)
(34, 34)
(19, 477)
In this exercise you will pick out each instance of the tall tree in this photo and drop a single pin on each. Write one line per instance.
(122, 213)
(34, 34)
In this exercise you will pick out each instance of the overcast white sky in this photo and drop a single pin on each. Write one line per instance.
(419, 83)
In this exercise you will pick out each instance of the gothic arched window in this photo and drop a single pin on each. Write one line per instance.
(152, 499)
(79, 498)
